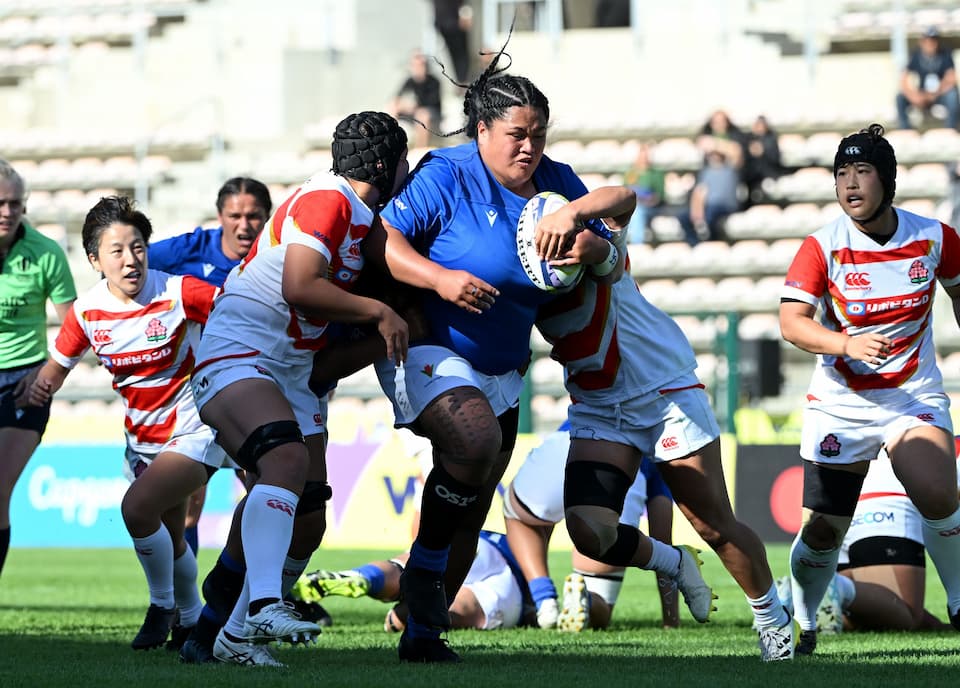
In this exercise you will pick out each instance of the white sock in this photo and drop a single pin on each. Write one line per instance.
(767, 609)
(665, 559)
(847, 590)
(292, 568)
(238, 617)
(942, 540)
(266, 529)
(185, 588)
(811, 571)
(155, 553)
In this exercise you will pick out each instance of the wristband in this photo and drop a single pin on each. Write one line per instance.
(605, 267)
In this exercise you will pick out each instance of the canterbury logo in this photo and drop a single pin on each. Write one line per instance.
(453, 497)
(280, 506)
(669, 443)
(102, 337)
(857, 280)
(852, 150)
(949, 533)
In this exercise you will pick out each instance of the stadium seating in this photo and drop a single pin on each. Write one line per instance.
(177, 155)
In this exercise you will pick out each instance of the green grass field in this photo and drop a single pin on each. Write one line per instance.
(67, 617)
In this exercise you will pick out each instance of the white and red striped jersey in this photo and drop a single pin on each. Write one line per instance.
(862, 286)
(324, 214)
(148, 347)
(614, 344)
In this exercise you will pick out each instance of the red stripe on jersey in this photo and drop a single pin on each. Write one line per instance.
(96, 315)
(326, 217)
(680, 389)
(808, 271)
(71, 340)
(915, 249)
(146, 363)
(157, 397)
(296, 334)
(875, 495)
(204, 364)
(565, 303)
(197, 298)
(607, 375)
(949, 253)
(886, 310)
(859, 383)
(587, 341)
(153, 434)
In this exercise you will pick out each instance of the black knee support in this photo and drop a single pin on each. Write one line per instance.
(315, 496)
(265, 438)
(830, 491)
(591, 483)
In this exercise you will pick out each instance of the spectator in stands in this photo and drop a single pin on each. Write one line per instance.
(714, 197)
(929, 79)
(649, 183)
(719, 133)
(453, 19)
(418, 100)
(761, 159)
(33, 270)
(243, 206)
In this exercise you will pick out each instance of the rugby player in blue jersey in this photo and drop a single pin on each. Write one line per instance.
(452, 232)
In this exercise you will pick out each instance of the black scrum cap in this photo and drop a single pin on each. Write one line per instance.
(367, 147)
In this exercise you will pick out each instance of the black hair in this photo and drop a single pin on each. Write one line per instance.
(245, 185)
(367, 146)
(492, 93)
(111, 210)
(868, 145)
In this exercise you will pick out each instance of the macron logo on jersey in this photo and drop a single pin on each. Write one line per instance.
(491, 217)
(207, 269)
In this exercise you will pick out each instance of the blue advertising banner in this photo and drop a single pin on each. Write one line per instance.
(70, 495)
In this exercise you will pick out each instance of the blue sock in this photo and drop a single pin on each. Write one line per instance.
(191, 536)
(417, 630)
(541, 589)
(230, 564)
(430, 559)
(374, 578)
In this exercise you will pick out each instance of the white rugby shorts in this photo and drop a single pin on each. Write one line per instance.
(194, 445)
(225, 362)
(835, 434)
(430, 371)
(671, 425)
(492, 582)
(539, 483)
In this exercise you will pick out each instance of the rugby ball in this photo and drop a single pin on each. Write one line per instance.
(545, 276)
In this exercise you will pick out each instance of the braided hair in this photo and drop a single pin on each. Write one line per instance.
(494, 92)
(367, 146)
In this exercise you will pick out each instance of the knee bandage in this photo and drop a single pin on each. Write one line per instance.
(265, 438)
(315, 496)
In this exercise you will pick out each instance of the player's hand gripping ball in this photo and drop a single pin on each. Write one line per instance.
(541, 273)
